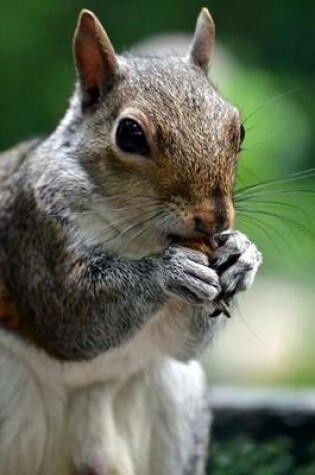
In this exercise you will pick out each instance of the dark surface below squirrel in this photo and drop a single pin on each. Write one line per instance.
(263, 440)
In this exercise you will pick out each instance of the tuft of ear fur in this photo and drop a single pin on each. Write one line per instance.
(94, 55)
(203, 41)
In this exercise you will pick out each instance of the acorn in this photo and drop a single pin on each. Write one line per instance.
(206, 245)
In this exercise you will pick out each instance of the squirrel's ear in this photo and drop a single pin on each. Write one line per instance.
(203, 41)
(94, 56)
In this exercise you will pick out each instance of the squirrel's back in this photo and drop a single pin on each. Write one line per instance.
(10, 160)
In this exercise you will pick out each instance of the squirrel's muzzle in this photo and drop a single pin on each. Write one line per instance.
(212, 216)
(198, 224)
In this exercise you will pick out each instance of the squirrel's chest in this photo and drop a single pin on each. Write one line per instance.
(163, 336)
(97, 415)
(47, 428)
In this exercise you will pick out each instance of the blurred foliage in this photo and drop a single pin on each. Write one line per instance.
(244, 456)
(278, 216)
(271, 43)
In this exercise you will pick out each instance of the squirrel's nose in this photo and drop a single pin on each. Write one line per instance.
(213, 222)
(200, 225)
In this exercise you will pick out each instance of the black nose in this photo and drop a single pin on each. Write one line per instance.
(200, 226)
(204, 228)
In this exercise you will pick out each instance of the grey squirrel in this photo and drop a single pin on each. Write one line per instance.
(116, 249)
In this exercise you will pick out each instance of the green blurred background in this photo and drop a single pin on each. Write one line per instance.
(266, 66)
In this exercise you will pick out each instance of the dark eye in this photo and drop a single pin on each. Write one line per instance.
(242, 134)
(130, 137)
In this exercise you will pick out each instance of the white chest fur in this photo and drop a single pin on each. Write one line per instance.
(102, 414)
(49, 428)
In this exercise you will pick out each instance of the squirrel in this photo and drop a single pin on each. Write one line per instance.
(117, 257)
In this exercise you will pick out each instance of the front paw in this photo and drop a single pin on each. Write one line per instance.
(187, 275)
(236, 262)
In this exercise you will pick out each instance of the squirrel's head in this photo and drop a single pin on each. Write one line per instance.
(157, 139)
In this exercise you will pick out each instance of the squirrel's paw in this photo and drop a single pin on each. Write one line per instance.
(187, 275)
(236, 262)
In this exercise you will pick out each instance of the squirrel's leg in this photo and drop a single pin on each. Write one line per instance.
(181, 424)
(181, 428)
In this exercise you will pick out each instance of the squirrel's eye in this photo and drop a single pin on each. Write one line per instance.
(242, 134)
(130, 137)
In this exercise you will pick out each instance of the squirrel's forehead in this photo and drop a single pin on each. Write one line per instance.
(177, 93)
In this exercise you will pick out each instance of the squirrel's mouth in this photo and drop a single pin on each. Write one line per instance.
(206, 244)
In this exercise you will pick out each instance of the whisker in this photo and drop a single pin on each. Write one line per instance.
(275, 181)
(248, 171)
(245, 322)
(143, 230)
(276, 192)
(284, 219)
(279, 204)
(270, 101)
(114, 226)
(260, 225)
(132, 207)
(262, 141)
(131, 196)
(133, 226)
(123, 220)
(269, 225)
